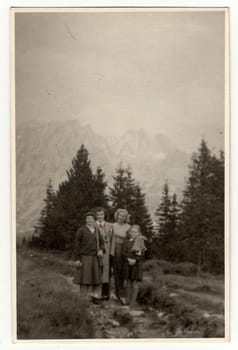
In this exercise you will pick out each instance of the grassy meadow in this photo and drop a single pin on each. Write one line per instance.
(175, 301)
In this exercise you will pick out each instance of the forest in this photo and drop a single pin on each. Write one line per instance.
(182, 292)
(187, 230)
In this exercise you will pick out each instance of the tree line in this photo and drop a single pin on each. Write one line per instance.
(64, 209)
(193, 230)
(190, 230)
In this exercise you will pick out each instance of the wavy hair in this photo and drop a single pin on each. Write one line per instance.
(118, 211)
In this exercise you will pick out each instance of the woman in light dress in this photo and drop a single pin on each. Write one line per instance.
(120, 233)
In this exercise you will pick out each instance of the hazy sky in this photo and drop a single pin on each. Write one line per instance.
(162, 71)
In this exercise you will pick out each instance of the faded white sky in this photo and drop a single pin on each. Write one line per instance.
(161, 71)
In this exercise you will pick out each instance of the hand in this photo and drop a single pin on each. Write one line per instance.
(131, 261)
(100, 253)
(78, 263)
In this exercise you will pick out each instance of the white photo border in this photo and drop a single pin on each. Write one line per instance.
(6, 328)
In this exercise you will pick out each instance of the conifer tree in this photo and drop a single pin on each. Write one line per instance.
(203, 211)
(127, 194)
(43, 227)
(174, 214)
(79, 193)
(163, 211)
(100, 197)
(167, 216)
(122, 193)
(215, 239)
(140, 214)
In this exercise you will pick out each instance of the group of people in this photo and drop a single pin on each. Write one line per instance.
(102, 248)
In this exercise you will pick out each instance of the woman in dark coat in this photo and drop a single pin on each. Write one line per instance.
(88, 250)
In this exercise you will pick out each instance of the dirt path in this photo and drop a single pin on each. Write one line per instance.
(112, 320)
(181, 313)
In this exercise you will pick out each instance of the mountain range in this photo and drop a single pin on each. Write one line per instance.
(45, 150)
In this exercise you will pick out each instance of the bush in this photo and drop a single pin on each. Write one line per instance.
(150, 265)
(124, 318)
(152, 295)
(185, 268)
(147, 294)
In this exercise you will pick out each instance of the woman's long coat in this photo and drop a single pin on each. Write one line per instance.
(106, 234)
(86, 249)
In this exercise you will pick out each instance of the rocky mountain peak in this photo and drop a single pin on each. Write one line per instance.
(45, 150)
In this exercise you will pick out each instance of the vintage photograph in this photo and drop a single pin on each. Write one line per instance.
(120, 147)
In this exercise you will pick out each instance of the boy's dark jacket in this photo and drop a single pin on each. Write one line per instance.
(134, 272)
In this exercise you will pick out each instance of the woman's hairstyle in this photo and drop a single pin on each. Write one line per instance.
(124, 211)
(89, 213)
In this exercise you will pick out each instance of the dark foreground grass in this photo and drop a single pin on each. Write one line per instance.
(46, 307)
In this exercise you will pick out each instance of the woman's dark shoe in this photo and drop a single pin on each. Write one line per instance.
(96, 300)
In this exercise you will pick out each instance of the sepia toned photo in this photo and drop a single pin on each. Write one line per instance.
(120, 173)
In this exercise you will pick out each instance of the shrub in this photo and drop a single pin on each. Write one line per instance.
(185, 268)
(152, 295)
(124, 318)
(147, 294)
(150, 265)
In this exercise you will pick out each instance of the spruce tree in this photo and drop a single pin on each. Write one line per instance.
(163, 211)
(168, 218)
(122, 193)
(215, 250)
(140, 213)
(140, 216)
(100, 185)
(174, 214)
(76, 195)
(79, 193)
(43, 230)
(127, 194)
(202, 230)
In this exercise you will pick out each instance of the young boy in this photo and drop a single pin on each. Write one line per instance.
(133, 252)
(105, 229)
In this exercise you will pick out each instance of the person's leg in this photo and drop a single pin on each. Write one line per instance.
(122, 291)
(105, 290)
(128, 291)
(96, 293)
(89, 291)
(108, 291)
(120, 278)
(83, 290)
(97, 289)
(116, 267)
(134, 292)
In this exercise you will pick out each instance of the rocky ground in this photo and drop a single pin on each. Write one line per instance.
(113, 320)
